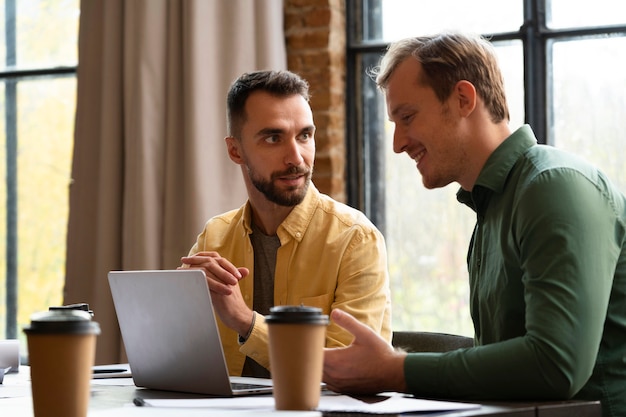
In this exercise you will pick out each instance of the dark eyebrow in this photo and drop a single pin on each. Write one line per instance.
(270, 131)
(310, 128)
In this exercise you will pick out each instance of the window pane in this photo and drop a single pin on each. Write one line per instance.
(402, 18)
(45, 126)
(428, 231)
(572, 13)
(3, 215)
(427, 235)
(46, 33)
(45, 143)
(511, 61)
(38, 118)
(588, 103)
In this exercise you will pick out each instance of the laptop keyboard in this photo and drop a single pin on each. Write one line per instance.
(244, 386)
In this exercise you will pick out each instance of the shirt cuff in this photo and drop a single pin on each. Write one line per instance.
(242, 339)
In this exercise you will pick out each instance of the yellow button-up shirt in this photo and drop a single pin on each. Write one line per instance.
(331, 256)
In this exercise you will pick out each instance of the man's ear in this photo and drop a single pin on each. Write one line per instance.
(466, 95)
(234, 152)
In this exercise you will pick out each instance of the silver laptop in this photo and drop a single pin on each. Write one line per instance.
(171, 336)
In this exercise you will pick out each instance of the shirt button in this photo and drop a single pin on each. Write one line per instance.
(298, 234)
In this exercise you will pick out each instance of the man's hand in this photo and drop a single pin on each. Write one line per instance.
(368, 366)
(223, 279)
(221, 275)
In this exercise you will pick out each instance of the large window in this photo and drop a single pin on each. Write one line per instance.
(563, 67)
(38, 44)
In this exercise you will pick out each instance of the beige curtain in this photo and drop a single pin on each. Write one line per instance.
(150, 164)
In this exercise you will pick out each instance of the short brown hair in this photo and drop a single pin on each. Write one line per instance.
(277, 83)
(447, 59)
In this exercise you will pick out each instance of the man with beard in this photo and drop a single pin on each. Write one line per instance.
(288, 244)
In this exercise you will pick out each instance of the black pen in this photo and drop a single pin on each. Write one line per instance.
(140, 402)
(109, 370)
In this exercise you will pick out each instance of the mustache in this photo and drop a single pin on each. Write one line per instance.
(292, 171)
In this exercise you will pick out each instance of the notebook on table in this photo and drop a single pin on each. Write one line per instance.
(170, 333)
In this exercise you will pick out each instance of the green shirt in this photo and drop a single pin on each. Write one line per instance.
(547, 266)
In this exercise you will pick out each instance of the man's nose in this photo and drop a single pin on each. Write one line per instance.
(293, 153)
(399, 141)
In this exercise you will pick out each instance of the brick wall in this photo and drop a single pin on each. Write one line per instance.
(315, 34)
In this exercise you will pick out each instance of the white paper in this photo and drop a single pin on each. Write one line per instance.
(117, 381)
(253, 402)
(16, 385)
(132, 411)
(391, 403)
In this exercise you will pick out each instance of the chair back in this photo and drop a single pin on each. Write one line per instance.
(429, 341)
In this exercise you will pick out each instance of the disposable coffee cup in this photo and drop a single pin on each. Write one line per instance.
(61, 351)
(297, 337)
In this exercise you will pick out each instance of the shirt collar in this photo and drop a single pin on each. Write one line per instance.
(300, 217)
(500, 163)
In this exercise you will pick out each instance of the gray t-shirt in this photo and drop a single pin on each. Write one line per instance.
(265, 248)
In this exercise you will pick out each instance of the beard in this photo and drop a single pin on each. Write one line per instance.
(290, 197)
